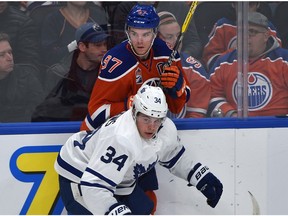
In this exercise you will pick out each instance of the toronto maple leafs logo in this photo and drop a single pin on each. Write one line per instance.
(139, 169)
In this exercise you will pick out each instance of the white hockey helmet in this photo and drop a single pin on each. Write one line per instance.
(151, 101)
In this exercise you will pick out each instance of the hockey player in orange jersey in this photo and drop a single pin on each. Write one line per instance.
(133, 62)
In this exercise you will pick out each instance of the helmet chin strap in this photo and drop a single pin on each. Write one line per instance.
(132, 48)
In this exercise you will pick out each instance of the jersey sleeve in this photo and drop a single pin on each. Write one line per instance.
(173, 156)
(222, 78)
(199, 85)
(198, 103)
(172, 150)
(222, 38)
(105, 170)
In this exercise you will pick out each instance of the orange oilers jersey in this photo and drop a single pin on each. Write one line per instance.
(199, 85)
(223, 38)
(267, 84)
(121, 75)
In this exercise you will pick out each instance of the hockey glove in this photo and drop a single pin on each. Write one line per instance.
(118, 209)
(207, 183)
(172, 80)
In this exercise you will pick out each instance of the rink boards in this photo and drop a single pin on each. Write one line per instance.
(249, 156)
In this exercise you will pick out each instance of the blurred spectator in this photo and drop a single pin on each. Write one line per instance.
(20, 90)
(207, 14)
(28, 6)
(22, 33)
(69, 98)
(267, 75)
(223, 36)
(197, 105)
(280, 19)
(119, 19)
(110, 7)
(191, 42)
(58, 28)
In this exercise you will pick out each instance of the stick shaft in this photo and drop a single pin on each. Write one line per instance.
(189, 16)
(183, 30)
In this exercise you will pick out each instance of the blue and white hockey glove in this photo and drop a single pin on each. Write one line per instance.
(207, 183)
(172, 80)
(118, 209)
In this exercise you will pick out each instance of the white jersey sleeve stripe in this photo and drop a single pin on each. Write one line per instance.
(173, 161)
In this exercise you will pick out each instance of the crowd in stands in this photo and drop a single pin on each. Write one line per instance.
(51, 70)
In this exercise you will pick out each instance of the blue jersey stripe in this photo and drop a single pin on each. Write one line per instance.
(68, 167)
(172, 162)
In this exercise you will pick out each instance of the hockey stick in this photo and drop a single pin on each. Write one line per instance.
(256, 208)
(181, 35)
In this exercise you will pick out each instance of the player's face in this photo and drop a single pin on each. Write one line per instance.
(147, 126)
(257, 40)
(6, 59)
(169, 33)
(141, 40)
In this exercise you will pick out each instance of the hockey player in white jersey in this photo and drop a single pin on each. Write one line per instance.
(98, 170)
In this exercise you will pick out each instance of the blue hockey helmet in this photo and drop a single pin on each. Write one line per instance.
(143, 16)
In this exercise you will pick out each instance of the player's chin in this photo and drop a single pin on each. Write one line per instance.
(141, 51)
(148, 135)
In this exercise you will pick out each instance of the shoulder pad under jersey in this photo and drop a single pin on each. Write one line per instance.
(161, 49)
(226, 21)
(117, 61)
(278, 53)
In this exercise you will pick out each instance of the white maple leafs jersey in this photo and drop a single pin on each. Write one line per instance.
(109, 160)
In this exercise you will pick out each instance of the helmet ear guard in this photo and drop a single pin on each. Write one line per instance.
(150, 101)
